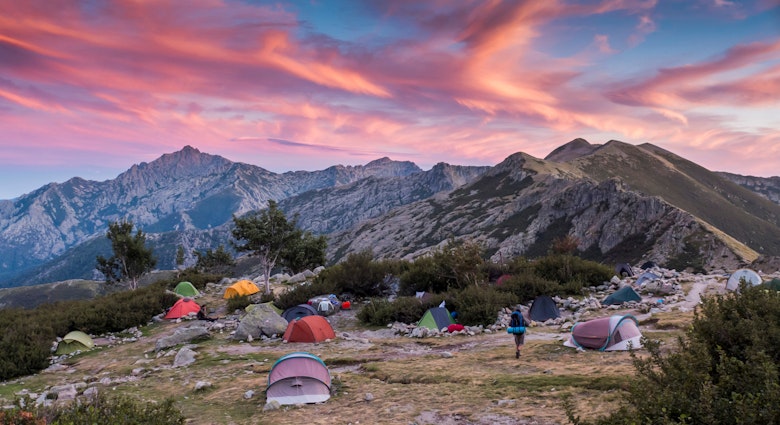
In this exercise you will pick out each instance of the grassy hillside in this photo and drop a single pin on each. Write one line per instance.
(738, 212)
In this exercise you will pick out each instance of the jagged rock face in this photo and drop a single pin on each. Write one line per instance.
(623, 203)
(768, 187)
(187, 192)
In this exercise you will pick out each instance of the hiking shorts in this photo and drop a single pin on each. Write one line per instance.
(520, 339)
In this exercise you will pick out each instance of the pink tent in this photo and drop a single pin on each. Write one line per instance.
(606, 334)
(298, 378)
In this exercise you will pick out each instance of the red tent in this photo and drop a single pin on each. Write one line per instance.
(182, 307)
(309, 329)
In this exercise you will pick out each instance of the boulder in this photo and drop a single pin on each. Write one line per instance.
(182, 336)
(184, 357)
(262, 320)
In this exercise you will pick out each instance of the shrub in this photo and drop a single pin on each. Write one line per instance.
(480, 305)
(238, 302)
(361, 276)
(104, 409)
(422, 275)
(380, 312)
(568, 268)
(725, 370)
(526, 287)
(302, 293)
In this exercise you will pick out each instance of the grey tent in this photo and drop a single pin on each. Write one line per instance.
(298, 311)
(624, 269)
(646, 277)
(543, 308)
(436, 318)
(622, 295)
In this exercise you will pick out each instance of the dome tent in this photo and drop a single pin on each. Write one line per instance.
(186, 289)
(74, 341)
(309, 329)
(181, 308)
(241, 288)
(298, 311)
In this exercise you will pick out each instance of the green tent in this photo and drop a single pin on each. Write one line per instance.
(772, 284)
(74, 341)
(436, 318)
(622, 295)
(185, 289)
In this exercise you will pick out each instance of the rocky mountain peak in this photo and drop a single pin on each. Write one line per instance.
(576, 148)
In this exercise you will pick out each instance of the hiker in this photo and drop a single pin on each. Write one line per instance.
(517, 328)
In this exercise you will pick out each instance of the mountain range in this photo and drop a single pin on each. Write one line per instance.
(622, 202)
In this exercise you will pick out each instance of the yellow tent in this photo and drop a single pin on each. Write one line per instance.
(241, 288)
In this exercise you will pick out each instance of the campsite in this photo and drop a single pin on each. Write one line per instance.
(376, 375)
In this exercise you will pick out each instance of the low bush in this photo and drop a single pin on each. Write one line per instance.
(724, 371)
(239, 302)
(105, 409)
(480, 305)
(526, 287)
(380, 312)
(27, 337)
(564, 268)
(361, 276)
(302, 293)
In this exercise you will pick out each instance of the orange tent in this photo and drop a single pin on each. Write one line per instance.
(309, 329)
(241, 288)
(182, 307)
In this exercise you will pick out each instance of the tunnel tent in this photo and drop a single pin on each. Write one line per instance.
(749, 276)
(298, 378)
(614, 333)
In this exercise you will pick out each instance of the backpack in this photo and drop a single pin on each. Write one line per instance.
(516, 323)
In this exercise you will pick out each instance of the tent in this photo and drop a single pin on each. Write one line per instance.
(74, 341)
(436, 318)
(298, 378)
(623, 269)
(622, 295)
(543, 308)
(298, 311)
(181, 308)
(613, 333)
(308, 329)
(241, 288)
(748, 275)
(186, 289)
(646, 277)
(649, 265)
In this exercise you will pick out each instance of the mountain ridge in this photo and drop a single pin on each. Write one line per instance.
(623, 202)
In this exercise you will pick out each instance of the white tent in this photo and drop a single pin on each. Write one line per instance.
(747, 275)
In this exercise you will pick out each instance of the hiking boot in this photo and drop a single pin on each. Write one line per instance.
(517, 354)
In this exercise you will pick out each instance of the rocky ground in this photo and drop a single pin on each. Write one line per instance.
(381, 375)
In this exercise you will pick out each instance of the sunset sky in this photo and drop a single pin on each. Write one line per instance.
(89, 88)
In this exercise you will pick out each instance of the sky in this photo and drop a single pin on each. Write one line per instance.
(89, 88)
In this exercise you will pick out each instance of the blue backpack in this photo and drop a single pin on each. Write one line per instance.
(516, 323)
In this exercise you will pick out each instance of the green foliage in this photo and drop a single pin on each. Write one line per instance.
(564, 268)
(118, 410)
(525, 287)
(28, 335)
(269, 236)
(306, 252)
(131, 259)
(380, 312)
(480, 305)
(238, 302)
(196, 278)
(360, 275)
(302, 293)
(725, 370)
(456, 265)
(217, 261)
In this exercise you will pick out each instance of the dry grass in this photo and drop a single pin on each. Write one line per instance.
(447, 380)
